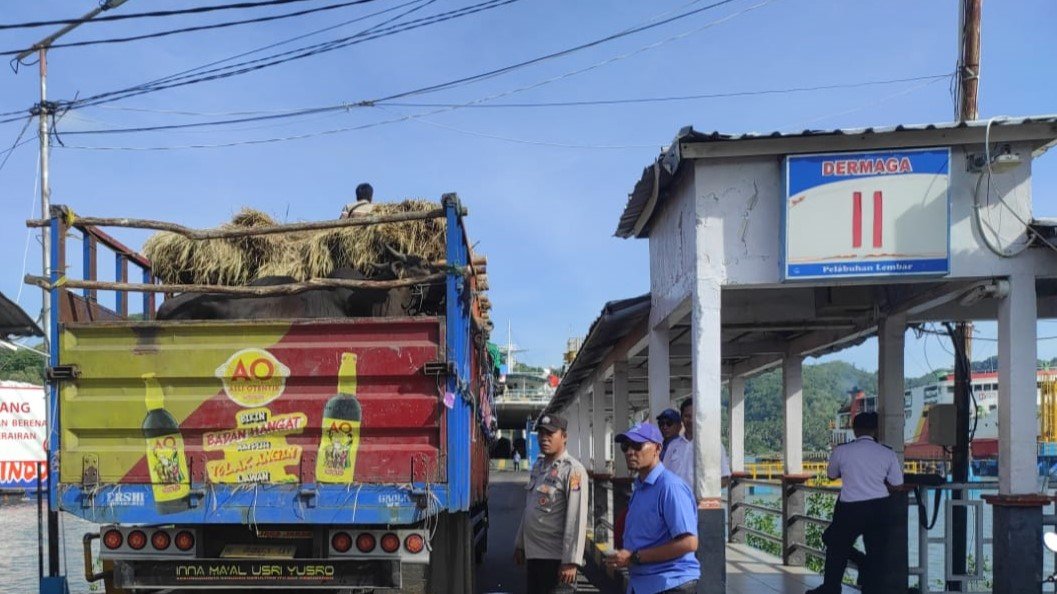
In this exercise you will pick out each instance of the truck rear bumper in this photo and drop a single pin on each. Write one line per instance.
(300, 574)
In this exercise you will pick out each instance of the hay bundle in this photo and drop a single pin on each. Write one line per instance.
(302, 255)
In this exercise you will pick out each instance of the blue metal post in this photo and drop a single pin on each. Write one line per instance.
(119, 296)
(54, 583)
(86, 250)
(458, 335)
(147, 297)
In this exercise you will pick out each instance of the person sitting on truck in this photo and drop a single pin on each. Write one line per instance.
(363, 205)
(553, 530)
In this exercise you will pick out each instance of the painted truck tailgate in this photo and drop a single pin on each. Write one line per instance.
(176, 404)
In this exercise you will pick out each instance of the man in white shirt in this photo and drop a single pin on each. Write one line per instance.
(867, 470)
(680, 456)
(363, 205)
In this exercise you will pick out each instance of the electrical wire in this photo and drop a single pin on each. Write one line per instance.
(583, 103)
(283, 57)
(140, 15)
(17, 143)
(197, 28)
(452, 107)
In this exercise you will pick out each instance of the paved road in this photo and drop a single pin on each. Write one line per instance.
(498, 573)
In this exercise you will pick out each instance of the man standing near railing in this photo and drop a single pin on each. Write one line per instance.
(660, 535)
(867, 470)
(680, 455)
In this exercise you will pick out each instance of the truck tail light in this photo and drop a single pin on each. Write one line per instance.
(185, 541)
(160, 540)
(414, 543)
(390, 543)
(365, 542)
(137, 539)
(341, 542)
(113, 539)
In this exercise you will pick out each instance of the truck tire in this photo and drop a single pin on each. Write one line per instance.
(451, 563)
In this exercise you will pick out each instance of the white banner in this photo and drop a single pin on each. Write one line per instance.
(23, 425)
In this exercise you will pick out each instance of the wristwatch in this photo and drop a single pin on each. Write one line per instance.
(635, 558)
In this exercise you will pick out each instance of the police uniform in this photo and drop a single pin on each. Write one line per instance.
(553, 527)
(864, 467)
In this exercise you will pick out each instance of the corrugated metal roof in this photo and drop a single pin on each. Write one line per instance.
(650, 191)
(617, 319)
(14, 321)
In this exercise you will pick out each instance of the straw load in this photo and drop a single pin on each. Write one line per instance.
(303, 255)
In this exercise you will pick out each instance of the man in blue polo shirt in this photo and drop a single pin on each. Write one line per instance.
(660, 536)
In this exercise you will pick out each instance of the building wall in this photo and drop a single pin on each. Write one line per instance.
(672, 253)
(741, 198)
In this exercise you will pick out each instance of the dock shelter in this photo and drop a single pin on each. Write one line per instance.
(765, 249)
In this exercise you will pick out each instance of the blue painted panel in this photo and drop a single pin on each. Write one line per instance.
(263, 504)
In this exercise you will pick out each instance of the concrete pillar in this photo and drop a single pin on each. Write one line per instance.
(598, 426)
(1017, 510)
(707, 391)
(573, 417)
(659, 370)
(891, 339)
(891, 342)
(794, 504)
(1017, 396)
(737, 424)
(621, 412)
(584, 432)
(793, 390)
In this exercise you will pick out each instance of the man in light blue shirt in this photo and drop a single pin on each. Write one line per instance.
(660, 536)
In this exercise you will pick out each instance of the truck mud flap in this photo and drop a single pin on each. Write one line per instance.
(301, 574)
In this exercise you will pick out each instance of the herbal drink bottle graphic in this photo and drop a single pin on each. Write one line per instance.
(166, 459)
(336, 459)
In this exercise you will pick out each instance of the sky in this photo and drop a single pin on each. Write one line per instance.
(544, 185)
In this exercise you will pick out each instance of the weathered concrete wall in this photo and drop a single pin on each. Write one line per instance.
(744, 195)
(672, 252)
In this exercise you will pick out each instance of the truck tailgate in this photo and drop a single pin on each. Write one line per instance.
(174, 403)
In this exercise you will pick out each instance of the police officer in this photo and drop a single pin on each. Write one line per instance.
(553, 530)
(867, 470)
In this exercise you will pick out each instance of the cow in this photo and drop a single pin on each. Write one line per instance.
(321, 302)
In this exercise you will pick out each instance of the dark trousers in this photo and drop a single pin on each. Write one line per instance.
(686, 588)
(543, 577)
(868, 519)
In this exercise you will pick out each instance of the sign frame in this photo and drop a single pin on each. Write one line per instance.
(863, 268)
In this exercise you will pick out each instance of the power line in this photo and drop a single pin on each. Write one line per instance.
(583, 103)
(193, 29)
(449, 107)
(291, 55)
(157, 13)
(558, 54)
(422, 3)
(415, 116)
(674, 98)
(16, 144)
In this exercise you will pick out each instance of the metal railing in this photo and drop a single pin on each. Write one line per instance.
(929, 547)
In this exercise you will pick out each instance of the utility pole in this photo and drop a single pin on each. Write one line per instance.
(54, 582)
(967, 110)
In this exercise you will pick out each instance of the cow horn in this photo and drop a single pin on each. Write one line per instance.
(396, 254)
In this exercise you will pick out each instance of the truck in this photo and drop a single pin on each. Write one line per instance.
(293, 454)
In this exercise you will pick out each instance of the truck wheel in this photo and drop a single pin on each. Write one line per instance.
(451, 564)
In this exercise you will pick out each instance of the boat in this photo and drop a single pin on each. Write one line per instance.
(983, 421)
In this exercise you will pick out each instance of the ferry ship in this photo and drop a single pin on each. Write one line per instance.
(917, 402)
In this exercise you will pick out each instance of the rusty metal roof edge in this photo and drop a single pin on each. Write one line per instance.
(14, 321)
(613, 323)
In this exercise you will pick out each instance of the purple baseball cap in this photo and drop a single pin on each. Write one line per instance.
(641, 433)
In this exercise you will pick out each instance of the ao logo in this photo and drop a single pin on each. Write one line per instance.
(253, 377)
